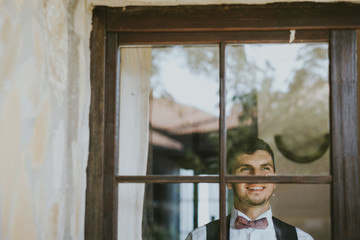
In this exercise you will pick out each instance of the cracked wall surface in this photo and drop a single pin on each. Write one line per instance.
(44, 108)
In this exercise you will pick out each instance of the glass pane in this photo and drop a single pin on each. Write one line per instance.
(280, 93)
(165, 211)
(169, 110)
(310, 214)
(184, 110)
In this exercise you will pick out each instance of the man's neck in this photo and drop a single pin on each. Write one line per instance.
(254, 211)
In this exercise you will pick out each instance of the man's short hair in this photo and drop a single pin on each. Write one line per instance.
(248, 146)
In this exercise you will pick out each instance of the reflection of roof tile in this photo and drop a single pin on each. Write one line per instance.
(233, 119)
(175, 118)
(161, 140)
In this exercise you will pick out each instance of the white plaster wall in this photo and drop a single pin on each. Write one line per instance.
(44, 107)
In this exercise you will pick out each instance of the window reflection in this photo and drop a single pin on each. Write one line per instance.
(184, 110)
(279, 93)
(310, 213)
(282, 94)
(165, 211)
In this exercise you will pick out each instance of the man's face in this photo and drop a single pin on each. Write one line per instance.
(248, 195)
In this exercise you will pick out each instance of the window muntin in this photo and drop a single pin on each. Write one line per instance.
(255, 82)
(279, 92)
(167, 211)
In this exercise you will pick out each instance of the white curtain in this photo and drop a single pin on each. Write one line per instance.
(134, 134)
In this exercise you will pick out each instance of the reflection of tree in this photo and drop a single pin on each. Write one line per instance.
(248, 124)
(202, 60)
(299, 114)
(157, 55)
(240, 74)
(307, 90)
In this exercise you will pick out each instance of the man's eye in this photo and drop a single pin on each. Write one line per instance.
(244, 169)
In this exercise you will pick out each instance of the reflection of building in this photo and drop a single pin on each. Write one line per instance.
(187, 135)
(179, 119)
(182, 137)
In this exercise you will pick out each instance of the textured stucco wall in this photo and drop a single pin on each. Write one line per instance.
(44, 107)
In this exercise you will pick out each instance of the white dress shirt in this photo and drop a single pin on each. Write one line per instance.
(247, 233)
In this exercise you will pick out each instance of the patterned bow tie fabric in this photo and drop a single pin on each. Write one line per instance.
(241, 223)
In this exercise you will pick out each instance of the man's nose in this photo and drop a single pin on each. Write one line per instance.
(258, 172)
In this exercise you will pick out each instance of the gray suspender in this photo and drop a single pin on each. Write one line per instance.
(283, 230)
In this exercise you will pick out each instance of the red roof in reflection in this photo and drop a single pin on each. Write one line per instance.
(178, 119)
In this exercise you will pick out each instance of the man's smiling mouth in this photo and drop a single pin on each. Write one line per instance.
(255, 188)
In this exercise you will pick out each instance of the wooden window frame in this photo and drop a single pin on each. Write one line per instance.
(220, 24)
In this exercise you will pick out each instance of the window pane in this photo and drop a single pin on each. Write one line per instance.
(168, 211)
(310, 213)
(184, 110)
(165, 211)
(280, 93)
(169, 110)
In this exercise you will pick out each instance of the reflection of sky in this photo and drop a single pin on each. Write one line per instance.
(282, 58)
(201, 92)
(187, 87)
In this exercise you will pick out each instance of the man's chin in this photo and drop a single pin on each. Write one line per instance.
(259, 202)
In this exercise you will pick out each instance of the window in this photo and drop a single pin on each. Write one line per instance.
(224, 29)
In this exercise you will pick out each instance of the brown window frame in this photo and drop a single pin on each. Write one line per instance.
(335, 23)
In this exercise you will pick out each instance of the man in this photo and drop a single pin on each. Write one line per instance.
(251, 217)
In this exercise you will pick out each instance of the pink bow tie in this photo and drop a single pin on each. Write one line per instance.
(241, 223)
